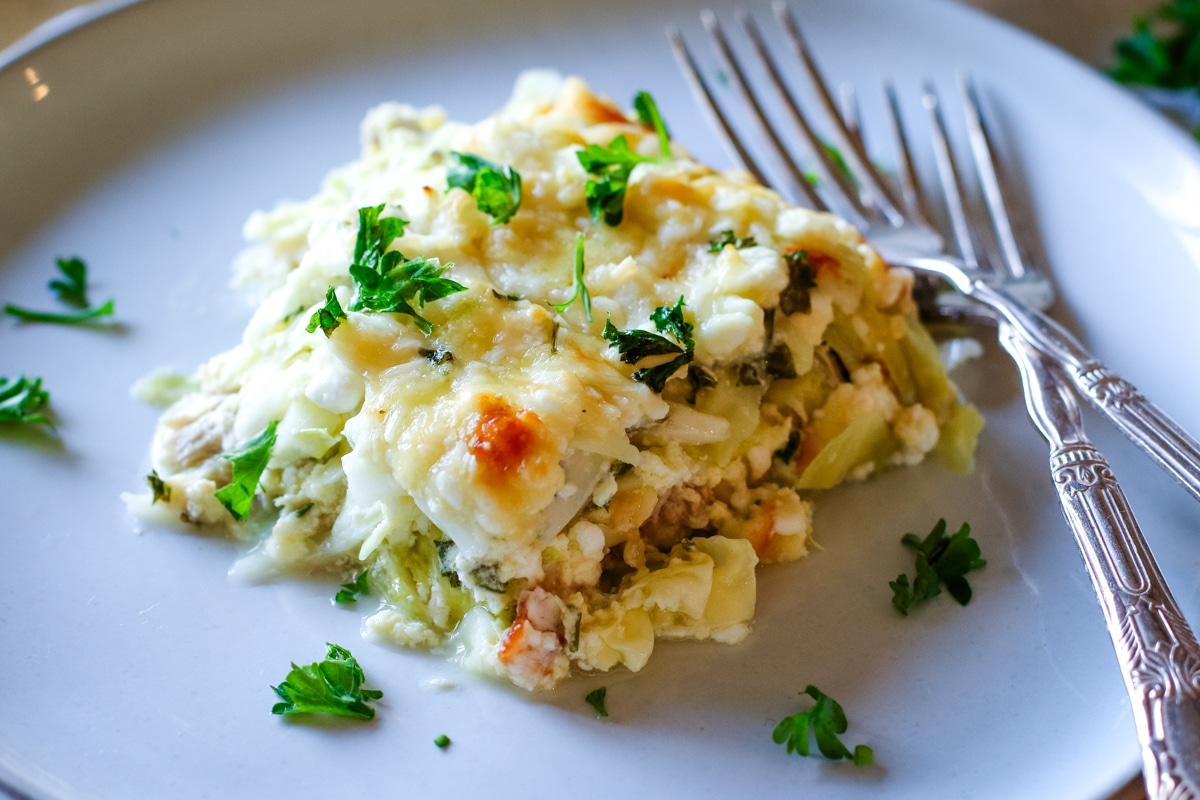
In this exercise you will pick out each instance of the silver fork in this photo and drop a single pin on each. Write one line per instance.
(1158, 654)
(896, 224)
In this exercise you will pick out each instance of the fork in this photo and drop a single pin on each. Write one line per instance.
(1157, 651)
(897, 225)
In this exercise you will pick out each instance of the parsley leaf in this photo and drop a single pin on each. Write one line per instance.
(85, 315)
(350, 592)
(580, 286)
(610, 167)
(387, 281)
(802, 279)
(940, 559)
(442, 741)
(496, 189)
(727, 237)
(1163, 49)
(789, 449)
(647, 112)
(249, 461)
(161, 489)
(328, 317)
(634, 345)
(331, 686)
(598, 699)
(22, 399)
(71, 292)
(826, 720)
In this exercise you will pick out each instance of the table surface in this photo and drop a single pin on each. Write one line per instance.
(1084, 28)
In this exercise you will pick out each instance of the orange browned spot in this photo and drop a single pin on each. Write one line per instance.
(512, 642)
(596, 110)
(502, 438)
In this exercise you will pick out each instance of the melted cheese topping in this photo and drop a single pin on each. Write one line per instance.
(510, 486)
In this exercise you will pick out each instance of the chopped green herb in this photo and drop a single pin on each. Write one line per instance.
(727, 237)
(331, 686)
(161, 489)
(634, 345)
(647, 112)
(387, 281)
(487, 576)
(328, 317)
(802, 279)
(512, 297)
(304, 509)
(554, 327)
(580, 287)
(496, 189)
(436, 356)
(350, 592)
(598, 699)
(72, 292)
(779, 362)
(249, 461)
(610, 167)
(21, 400)
(1163, 49)
(940, 559)
(827, 721)
(442, 741)
(788, 451)
(85, 315)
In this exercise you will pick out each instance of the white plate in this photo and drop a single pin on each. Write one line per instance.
(134, 667)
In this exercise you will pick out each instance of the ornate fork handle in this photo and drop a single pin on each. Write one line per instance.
(1159, 655)
(1144, 423)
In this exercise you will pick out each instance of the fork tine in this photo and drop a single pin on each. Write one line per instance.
(886, 200)
(910, 188)
(948, 177)
(738, 78)
(989, 181)
(704, 98)
(852, 120)
(833, 177)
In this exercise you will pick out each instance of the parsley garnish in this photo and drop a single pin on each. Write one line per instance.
(496, 189)
(940, 559)
(647, 112)
(72, 292)
(802, 279)
(1164, 48)
(161, 489)
(248, 461)
(727, 237)
(350, 592)
(22, 399)
(788, 451)
(827, 720)
(610, 167)
(387, 281)
(442, 741)
(579, 285)
(328, 317)
(634, 345)
(332, 686)
(598, 699)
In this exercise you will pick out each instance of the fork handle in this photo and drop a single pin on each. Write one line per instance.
(1142, 422)
(1158, 654)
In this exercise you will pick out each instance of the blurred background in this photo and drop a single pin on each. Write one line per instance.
(1084, 28)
